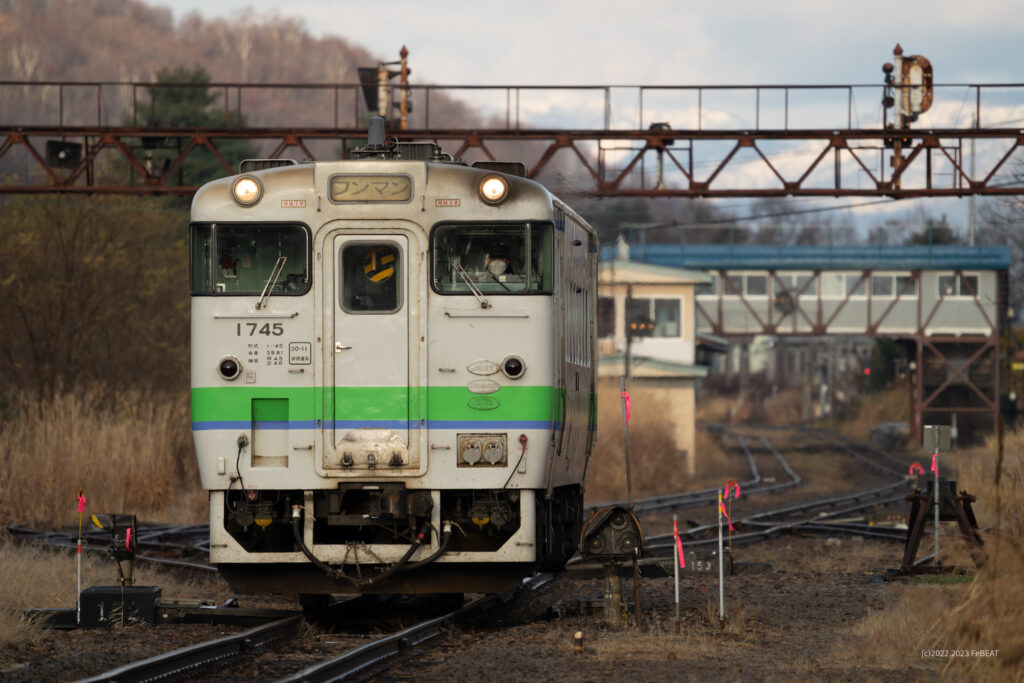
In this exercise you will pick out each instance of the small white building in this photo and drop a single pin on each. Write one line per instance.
(646, 328)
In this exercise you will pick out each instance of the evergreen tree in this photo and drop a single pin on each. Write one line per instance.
(934, 232)
(189, 106)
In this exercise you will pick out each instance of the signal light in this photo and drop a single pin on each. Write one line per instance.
(867, 371)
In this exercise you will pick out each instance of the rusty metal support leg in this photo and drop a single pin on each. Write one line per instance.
(915, 528)
(969, 527)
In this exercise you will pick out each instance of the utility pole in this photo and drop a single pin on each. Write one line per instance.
(970, 229)
(404, 106)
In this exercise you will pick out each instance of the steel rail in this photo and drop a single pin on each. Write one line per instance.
(374, 652)
(195, 656)
(687, 499)
(753, 486)
(666, 542)
(770, 519)
(834, 439)
(100, 541)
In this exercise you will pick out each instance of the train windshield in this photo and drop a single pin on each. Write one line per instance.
(496, 259)
(250, 259)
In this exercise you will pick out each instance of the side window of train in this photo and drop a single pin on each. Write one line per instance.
(370, 277)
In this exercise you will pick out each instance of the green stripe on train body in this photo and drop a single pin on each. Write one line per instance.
(213, 404)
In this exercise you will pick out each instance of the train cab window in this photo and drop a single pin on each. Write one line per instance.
(249, 259)
(496, 259)
(370, 277)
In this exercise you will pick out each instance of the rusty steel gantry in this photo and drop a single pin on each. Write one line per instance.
(640, 141)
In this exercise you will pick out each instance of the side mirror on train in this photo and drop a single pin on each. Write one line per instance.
(612, 532)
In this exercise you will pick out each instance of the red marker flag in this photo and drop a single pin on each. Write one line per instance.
(128, 539)
(625, 399)
(731, 484)
(721, 506)
(935, 464)
(81, 501)
(679, 544)
(917, 468)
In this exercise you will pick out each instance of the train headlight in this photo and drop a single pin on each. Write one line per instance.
(513, 367)
(229, 368)
(246, 190)
(494, 189)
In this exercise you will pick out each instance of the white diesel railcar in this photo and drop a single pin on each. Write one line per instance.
(393, 373)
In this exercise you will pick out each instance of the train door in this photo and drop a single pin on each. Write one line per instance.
(368, 397)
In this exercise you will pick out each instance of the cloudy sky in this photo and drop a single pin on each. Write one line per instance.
(665, 41)
(675, 42)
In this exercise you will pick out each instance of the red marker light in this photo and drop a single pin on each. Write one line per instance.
(867, 371)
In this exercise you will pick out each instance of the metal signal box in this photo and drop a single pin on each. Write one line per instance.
(109, 605)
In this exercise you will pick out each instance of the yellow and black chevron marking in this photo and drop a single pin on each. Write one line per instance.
(380, 264)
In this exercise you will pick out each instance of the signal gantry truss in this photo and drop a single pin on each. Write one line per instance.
(695, 150)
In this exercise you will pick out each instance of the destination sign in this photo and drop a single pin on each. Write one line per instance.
(370, 188)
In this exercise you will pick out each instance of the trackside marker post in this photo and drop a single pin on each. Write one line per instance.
(935, 469)
(625, 428)
(679, 563)
(730, 485)
(721, 564)
(81, 511)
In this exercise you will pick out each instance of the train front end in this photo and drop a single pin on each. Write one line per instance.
(377, 397)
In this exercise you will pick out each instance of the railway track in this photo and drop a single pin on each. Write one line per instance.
(183, 546)
(238, 656)
(753, 486)
(194, 660)
(811, 516)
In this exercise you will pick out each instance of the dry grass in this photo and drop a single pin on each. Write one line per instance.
(981, 615)
(656, 467)
(868, 410)
(42, 577)
(895, 636)
(130, 454)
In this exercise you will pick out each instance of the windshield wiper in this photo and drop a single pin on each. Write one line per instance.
(469, 283)
(271, 282)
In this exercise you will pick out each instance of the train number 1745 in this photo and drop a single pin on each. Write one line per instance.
(266, 329)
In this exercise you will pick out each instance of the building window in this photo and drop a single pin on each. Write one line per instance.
(757, 285)
(906, 285)
(881, 286)
(958, 285)
(653, 318)
(605, 317)
(856, 285)
(666, 318)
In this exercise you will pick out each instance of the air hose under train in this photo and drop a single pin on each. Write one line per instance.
(401, 565)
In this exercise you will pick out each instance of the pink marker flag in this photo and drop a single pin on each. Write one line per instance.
(679, 545)
(81, 501)
(721, 506)
(935, 464)
(128, 539)
(731, 484)
(917, 468)
(625, 398)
